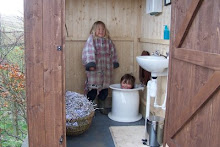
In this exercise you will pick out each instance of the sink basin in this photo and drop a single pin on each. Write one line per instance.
(157, 65)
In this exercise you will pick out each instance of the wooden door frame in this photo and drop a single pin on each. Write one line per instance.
(38, 69)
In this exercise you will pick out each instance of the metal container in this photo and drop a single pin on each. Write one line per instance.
(155, 129)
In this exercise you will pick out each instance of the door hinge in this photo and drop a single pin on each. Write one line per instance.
(61, 139)
(59, 48)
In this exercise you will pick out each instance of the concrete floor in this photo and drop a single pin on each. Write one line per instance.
(98, 135)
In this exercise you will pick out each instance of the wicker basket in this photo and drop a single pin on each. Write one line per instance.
(83, 125)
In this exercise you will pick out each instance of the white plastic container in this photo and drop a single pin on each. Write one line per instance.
(153, 7)
(125, 104)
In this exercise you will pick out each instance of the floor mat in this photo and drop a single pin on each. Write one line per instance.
(127, 136)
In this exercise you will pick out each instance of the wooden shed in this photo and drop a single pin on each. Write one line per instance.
(56, 31)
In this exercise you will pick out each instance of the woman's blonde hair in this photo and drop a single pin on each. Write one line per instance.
(94, 26)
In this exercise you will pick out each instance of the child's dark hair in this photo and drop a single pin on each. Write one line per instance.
(129, 79)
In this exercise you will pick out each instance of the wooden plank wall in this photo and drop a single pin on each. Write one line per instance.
(120, 17)
(131, 29)
(44, 72)
(151, 39)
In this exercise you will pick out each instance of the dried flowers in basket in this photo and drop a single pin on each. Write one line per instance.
(79, 113)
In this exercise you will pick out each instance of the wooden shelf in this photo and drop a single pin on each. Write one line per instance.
(129, 39)
(154, 41)
(113, 38)
(75, 39)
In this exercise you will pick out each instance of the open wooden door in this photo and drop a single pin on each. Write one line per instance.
(44, 43)
(193, 105)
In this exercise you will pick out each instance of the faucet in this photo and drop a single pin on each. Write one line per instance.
(167, 54)
(157, 53)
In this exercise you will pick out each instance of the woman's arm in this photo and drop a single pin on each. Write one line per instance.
(88, 55)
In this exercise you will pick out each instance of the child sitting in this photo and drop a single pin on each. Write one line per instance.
(127, 81)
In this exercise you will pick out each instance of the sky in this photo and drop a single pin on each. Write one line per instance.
(12, 7)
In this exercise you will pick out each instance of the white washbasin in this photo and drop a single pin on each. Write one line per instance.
(157, 65)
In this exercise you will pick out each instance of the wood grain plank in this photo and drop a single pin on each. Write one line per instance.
(171, 143)
(63, 69)
(34, 72)
(206, 59)
(89, 16)
(75, 71)
(60, 119)
(126, 62)
(136, 12)
(49, 54)
(193, 130)
(215, 120)
(113, 38)
(73, 18)
(200, 98)
(52, 37)
(102, 11)
(154, 41)
(152, 26)
(187, 21)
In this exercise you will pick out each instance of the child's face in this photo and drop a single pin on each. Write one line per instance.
(125, 85)
(100, 31)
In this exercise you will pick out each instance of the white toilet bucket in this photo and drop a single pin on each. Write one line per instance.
(125, 104)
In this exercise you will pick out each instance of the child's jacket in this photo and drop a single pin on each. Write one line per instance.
(101, 54)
